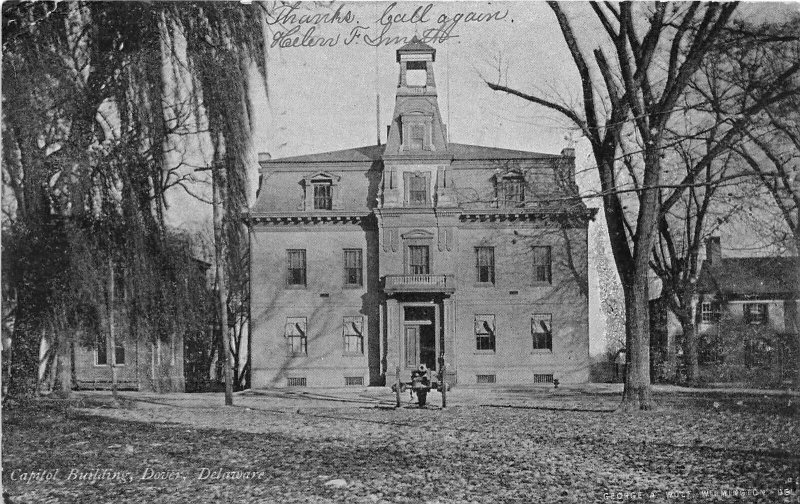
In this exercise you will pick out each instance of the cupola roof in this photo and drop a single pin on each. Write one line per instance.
(416, 46)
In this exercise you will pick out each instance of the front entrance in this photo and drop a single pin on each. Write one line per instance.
(420, 342)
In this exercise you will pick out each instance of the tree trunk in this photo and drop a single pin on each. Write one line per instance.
(24, 365)
(236, 367)
(796, 321)
(672, 355)
(690, 350)
(637, 393)
(154, 368)
(63, 369)
(220, 256)
(112, 345)
(46, 367)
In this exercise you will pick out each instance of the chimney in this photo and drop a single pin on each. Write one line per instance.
(567, 166)
(713, 250)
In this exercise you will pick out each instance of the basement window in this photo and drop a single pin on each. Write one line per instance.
(296, 382)
(353, 381)
(486, 378)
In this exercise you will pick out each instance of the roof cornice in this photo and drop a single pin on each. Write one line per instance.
(583, 215)
(331, 217)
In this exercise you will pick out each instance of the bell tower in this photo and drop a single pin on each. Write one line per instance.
(416, 128)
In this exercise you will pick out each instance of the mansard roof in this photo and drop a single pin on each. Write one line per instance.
(369, 153)
(749, 277)
(357, 155)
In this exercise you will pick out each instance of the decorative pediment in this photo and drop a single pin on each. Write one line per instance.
(321, 177)
(418, 234)
(512, 173)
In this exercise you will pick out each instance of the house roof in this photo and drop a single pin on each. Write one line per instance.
(750, 276)
(372, 153)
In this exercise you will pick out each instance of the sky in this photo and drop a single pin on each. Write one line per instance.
(324, 97)
(340, 83)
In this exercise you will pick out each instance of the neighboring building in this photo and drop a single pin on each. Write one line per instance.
(141, 365)
(746, 313)
(753, 290)
(368, 259)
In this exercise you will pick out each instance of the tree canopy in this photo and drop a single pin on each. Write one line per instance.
(100, 101)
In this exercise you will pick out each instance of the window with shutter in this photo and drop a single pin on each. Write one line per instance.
(296, 336)
(353, 335)
(542, 331)
(485, 338)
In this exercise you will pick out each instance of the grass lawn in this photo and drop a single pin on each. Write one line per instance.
(692, 448)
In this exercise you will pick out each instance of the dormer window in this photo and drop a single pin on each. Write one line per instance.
(515, 191)
(321, 191)
(511, 190)
(416, 139)
(416, 132)
(323, 196)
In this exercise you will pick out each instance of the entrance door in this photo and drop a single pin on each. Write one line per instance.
(412, 346)
(427, 346)
(420, 345)
(419, 336)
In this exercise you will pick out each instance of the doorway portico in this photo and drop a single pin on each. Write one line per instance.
(418, 330)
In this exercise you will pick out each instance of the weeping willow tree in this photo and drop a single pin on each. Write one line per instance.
(105, 108)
